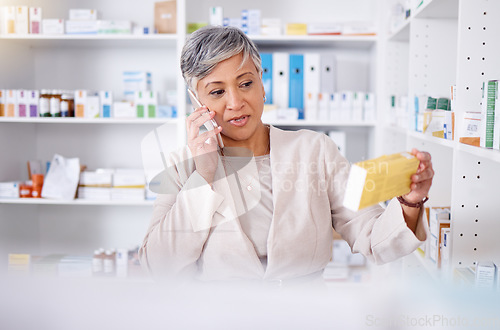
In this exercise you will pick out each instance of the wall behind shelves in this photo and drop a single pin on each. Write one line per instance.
(15, 73)
(101, 68)
(97, 146)
(16, 148)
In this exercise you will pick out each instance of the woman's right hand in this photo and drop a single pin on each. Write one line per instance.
(203, 146)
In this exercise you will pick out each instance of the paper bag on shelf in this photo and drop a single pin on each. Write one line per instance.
(166, 16)
(62, 179)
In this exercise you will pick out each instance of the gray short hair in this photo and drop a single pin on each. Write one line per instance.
(209, 46)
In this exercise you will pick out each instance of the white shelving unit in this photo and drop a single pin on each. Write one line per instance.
(95, 62)
(452, 42)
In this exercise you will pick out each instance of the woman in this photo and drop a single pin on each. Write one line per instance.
(269, 216)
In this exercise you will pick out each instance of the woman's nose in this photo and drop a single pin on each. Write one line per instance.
(234, 100)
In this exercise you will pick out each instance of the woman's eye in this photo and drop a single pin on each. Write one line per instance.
(217, 92)
(247, 84)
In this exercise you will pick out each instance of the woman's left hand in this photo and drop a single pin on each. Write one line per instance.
(421, 181)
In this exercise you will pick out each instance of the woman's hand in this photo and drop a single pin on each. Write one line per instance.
(421, 181)
(203, 146)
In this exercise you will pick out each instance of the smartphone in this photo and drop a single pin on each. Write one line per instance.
(209, 124)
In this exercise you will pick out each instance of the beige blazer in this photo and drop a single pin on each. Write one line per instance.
(195, 231)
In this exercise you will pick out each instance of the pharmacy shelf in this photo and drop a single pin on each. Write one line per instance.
(305, 123)
(62, 120)
(43, 201)
(447, 9)
(432, 139)
(437, 9)
(336, 41)
(88, 40)
(402, 33)
(485, 153)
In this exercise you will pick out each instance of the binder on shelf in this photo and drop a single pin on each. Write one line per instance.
(369, 107)
(280, 80)
(311, 104)
(323, 107)
(335, 107)
(357, 106)
(327, 75)
(296, 91)
(311, 84)
(267, 76)
(346, 103)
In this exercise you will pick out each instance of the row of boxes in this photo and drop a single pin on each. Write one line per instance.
(83, 104)
(21, 20)
(28, 20)
(347, 106)
(117, 184)
(252, 23)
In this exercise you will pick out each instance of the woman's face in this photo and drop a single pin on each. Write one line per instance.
(236, 94)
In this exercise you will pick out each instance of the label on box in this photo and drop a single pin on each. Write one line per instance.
(83, 14)
(53, 26)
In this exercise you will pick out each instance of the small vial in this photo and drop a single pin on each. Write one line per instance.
(44, 103)
(37, 180)
(109, 263)
(67, 105)
(25, 189)
(98, 262)
(55, 103)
